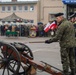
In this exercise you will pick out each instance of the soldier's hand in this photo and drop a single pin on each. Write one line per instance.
(47, 41)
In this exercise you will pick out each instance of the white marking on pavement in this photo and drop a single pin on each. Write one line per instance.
(39, 50)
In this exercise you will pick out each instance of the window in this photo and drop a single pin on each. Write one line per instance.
(51, 17)
(14, 8)
(9, 22)
(32, 21)
(8, 8)
(20, 7)
(3, 8)
(25, 8)
(31, 8)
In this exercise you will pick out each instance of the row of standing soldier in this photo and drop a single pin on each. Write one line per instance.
(24, 30)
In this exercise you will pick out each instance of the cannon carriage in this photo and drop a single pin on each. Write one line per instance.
(17, 59)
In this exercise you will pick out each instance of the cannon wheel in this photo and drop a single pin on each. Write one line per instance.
(9, 64)
(24, 68)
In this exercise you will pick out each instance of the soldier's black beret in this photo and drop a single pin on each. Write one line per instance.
(72, 15)
(75, 14)
(58, 14)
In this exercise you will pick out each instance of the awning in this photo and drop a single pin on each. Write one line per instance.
(11, 17)
(69, 1)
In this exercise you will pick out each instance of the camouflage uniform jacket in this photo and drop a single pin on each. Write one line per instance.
(65, 34)
(75, 32)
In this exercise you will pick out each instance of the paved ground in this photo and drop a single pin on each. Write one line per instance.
(42, 52)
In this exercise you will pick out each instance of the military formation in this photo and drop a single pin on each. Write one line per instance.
(66, 35)
(24, 30)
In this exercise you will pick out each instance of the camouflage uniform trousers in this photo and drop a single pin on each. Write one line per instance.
(68, 60)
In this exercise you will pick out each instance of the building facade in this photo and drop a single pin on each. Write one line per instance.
(26, 10)
(48, 8)
(35, 11)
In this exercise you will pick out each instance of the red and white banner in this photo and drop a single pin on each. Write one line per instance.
(51, 26)
(47, 27)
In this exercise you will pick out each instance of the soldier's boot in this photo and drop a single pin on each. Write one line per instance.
(65, 72)
(72, 72)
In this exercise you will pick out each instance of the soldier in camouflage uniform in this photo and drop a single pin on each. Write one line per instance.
(72, 18)
(66, 36)
(40, 30)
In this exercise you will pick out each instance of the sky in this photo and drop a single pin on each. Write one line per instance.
(17, 0)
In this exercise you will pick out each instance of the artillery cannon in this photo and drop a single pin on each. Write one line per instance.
(17, 59)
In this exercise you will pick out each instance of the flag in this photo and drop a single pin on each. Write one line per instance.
(46, 29)
(51, 26)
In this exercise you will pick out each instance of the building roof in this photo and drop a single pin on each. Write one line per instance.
(19, 2)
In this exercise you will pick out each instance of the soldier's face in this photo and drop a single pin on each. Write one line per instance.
(58, 19)
(73, 20)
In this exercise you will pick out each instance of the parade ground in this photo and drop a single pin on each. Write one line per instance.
(49, 53)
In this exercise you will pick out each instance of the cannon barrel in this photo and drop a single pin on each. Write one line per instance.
(45, 68)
